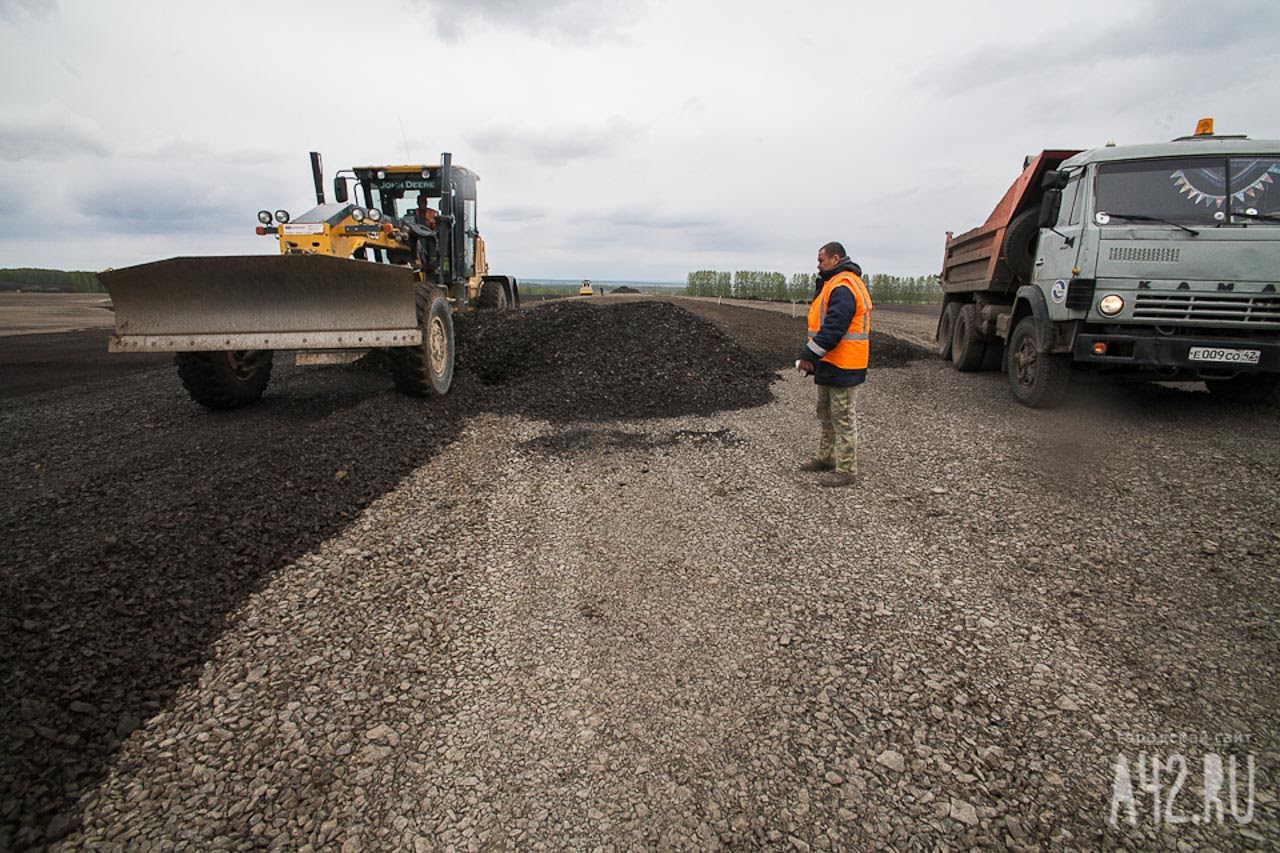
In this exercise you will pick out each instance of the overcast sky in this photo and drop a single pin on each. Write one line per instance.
(614, 140)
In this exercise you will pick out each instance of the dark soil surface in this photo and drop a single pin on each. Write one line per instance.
(777, 339)
(30, 363)
(927, 310)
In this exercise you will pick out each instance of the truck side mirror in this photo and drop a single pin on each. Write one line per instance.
(1050, 206)
(339, 189)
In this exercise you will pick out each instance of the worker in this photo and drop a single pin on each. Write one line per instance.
(426, 213)
(836, 356)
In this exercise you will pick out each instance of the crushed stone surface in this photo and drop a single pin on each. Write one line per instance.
(336, 620)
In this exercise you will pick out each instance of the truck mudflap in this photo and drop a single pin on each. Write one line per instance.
(1216, 355)
(261, 302)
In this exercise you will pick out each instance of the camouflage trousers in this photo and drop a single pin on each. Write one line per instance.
(839, 443)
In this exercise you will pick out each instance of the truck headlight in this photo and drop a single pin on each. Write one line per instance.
(282, 216)
(374, 214)
(1111, 304)
(264, 216)
(357, 214)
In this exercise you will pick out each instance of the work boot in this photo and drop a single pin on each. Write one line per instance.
(835, 478)
(817, 465)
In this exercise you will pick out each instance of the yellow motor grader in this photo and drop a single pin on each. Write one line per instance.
(384, 270)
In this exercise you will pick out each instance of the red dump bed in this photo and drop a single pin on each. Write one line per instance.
(973, 259)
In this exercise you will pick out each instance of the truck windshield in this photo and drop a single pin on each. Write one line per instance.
(1191, 190)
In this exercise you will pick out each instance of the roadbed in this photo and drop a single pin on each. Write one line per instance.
(530, 613)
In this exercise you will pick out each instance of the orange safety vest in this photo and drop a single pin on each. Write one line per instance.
(851, 353)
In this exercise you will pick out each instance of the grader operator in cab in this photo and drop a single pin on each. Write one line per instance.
(378, 268)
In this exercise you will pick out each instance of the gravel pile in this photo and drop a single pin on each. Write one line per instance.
(338, 621)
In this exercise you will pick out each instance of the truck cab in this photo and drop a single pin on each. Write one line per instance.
(1161, 260)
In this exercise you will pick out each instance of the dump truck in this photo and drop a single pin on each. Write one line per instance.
(1158, 261)
(384, 267)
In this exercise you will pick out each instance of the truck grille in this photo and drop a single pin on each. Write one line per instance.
(1207, 308)
(1131, 255)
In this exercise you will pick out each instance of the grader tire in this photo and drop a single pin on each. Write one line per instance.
(427, 369)
(493, 296)
(224, 380)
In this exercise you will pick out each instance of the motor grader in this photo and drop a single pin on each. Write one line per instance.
(384, 270)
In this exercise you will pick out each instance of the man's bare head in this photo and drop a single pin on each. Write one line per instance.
(830, 255)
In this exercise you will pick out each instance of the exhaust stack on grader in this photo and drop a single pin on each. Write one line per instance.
(386, 271)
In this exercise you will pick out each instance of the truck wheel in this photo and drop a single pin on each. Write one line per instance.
(493, 296)
(967, 344)
(1258, 389)
(427, 369)
(1039, 379)
(946, 326)
(1019, 247)
(225, 380)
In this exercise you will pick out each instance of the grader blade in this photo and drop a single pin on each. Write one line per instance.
(262, 302)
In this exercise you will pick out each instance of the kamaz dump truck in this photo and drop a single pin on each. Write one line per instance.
(384, 272)
(1160, 261)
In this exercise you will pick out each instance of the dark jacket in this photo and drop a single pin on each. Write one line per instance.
(841, 306)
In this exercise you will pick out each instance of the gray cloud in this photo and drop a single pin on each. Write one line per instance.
(518, 214)
(554, 146)
(156, 207)
(653, 232)
(644, 220)
(571, 20)
(196, 152)
(50, 133)
(1180, 34)
(14, 11)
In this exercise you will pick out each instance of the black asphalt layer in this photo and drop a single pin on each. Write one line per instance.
(32, 363)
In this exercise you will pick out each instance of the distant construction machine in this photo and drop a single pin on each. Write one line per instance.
(387, 272)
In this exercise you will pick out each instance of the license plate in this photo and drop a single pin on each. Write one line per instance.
(1225, 356)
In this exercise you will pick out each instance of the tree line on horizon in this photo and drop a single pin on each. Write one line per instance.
(38, 280)
(775, 287)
